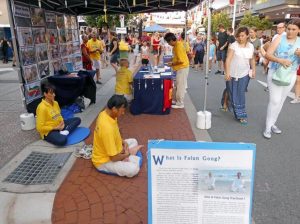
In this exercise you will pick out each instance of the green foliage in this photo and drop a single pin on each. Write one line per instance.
(112, 20)
(219, 18)
(255, 21)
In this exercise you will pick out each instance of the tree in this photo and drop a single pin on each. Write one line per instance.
(216, 19)
(112, 20)
(255, 21)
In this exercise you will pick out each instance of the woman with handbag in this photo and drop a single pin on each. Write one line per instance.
(284, 56)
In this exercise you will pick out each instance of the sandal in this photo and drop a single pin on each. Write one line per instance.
(224, 109)
(243, 121)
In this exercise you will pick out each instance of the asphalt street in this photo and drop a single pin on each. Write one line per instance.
(277, 179)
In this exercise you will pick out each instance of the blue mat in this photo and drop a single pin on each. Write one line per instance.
(78, 135)
(139, 154)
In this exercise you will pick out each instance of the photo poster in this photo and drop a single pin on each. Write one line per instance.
(60, 21)
(52, 36)
(30, 73)
(37, 16)
(39, 35)
(50, 20)
(77, 62)
(44, 69)
(22, 16)
(28, 55)
(24, 36)
(200, 182)
(32, 91)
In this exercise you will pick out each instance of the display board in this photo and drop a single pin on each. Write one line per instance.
(200, 182)
(45, 41)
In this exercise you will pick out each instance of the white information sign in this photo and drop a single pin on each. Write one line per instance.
(200, 182)
(121, 30)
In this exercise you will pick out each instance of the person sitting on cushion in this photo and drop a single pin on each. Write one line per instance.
(49, 122)
(124, 80)
(111, 153)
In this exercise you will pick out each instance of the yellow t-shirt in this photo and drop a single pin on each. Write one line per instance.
(93, 45)
(123, 80)
(107, 139)
(47, 117)
(179, 55)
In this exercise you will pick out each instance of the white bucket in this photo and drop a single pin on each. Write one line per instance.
(203, 120)
(27, 121)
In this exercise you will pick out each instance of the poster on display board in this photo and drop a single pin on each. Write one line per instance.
(50, 20)
(200, 182)
(27, 55)
(44, 69)
(39, 35)
(60, 21)
(37, 16)
(52, 36)
(24, 36)
(30, 73)
(45, 41)
(42, 52)
(53, 51)
(32, 91)
(22, 16)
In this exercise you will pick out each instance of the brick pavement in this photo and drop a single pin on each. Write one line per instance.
(87, 196)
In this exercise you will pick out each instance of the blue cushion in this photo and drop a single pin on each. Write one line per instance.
(139, 154)
(78, 135)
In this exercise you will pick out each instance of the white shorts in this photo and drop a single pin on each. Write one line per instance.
(96, 64)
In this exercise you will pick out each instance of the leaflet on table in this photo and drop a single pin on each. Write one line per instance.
(200, 183)
(152, 76)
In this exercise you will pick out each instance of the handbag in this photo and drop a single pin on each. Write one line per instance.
(283, 76)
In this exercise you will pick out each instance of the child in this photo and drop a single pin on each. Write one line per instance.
(212, 54)
(145, 52)
(124, 80)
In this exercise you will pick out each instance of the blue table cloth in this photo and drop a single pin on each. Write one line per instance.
(148, 94)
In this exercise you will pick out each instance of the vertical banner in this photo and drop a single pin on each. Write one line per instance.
(200, 182)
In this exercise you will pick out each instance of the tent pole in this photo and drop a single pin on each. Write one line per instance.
(208, 38)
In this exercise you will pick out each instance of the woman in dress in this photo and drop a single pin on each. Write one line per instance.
(283, 51)
(155, 42)
(240, 53)
(86, 60)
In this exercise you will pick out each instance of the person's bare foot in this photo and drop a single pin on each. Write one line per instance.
(134, 150)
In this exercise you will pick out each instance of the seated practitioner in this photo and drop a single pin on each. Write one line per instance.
(238, 184)
(110, 152)
(124, 80)
(49, 122)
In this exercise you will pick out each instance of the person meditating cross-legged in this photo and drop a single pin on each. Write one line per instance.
(110, 153)
(49, 122)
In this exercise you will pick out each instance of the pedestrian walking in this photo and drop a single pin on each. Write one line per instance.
(155, 49)
(284, 51)
(199, 51)
(222, 45)
(87, 62)
(240, 53)
(297, 88)
(114, 51)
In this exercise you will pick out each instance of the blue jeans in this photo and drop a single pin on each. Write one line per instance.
(56, 138)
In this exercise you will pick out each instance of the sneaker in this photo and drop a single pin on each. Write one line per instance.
(209, 70)
(275, 130)
(222, 73)
(177, 106)
(266, 89)
(85, 152)
(267, 134)
(217, 72)
(98, 82)
(294, 101)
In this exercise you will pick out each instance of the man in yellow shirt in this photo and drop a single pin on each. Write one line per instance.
(49, 122)
(110, 152)
(124, 79)
(95, 50)
(180, 64)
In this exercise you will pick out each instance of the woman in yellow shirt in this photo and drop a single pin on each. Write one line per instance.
(49, 122)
